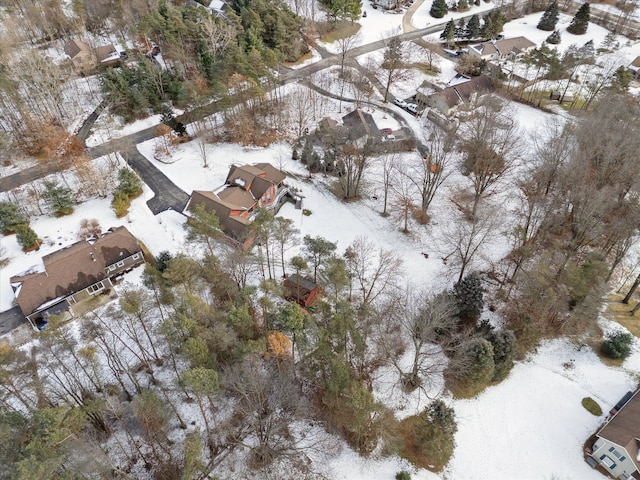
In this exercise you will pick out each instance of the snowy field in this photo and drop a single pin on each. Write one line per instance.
(530, 426)
(535, 414)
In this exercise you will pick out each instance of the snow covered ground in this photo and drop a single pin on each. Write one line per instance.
(530, 426)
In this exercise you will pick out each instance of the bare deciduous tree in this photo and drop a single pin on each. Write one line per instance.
(490, 149)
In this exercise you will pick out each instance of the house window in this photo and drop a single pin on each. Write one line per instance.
(112, 268)
(136, 256)
(95, 288)
(607, 461)
(617, 454)
(120, 264)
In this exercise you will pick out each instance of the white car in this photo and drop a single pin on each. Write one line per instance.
(412, 108)
(400, 103)
(388, 138)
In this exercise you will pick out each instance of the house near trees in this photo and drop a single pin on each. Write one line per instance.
(69, 278)
(461, 95)
(301, 290)
(390, 4)
(634, 68)
(361, 127)
(507, 48)
(85, 58)
(246, 189)
(617, 447)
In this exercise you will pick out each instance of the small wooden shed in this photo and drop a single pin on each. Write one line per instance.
(300, 290)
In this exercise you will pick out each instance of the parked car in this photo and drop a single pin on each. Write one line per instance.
(386, 131)
(412, 108)
(401, 103)
(389, 138)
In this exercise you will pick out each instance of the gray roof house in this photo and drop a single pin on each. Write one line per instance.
(74, 274)
(502, 49)
(361, 127)
(617, 447)
(459, 96)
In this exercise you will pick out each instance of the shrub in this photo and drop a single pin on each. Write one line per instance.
(306, 212)
(429, 436)
(403, 475)
(120, 203)
(592, 406)
(27, 238)
(89, 228)
(617, 345)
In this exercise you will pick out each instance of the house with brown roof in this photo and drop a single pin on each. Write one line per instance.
(85, 58)
(617, 447)
(301, 290)
(247, 188)
(502, 49)
(460, 96)
(361, 127)
(74, 274)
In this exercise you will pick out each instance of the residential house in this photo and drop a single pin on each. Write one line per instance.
(85, 58)
(361, 127)
(300, 290)
(75, 274)
(246, 189)
(460, 96)
(634, 68)
(507, 48)
(389, 4)
(617, 447)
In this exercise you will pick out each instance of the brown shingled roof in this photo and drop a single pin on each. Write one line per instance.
(624, 428)
(73, 268)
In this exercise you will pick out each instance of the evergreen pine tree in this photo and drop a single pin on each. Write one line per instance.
(449, 32)
(461, 28)
(434, 433)
(580, 22)
(473, 28)
(307, 153)
(469, 298)
(487, 30)
(622, 79)
(26, 237)
(58, 198)
(482, 366)
(554, 38)
(504, 351)
(11, 217)
(549, 18)
(129, 183)
(439, 9)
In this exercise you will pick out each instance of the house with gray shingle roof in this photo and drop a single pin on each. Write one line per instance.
(502, 49)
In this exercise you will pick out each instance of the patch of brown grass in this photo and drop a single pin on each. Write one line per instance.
(332, 31)
(303, 58)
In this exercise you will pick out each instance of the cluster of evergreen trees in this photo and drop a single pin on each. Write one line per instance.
(202, 52)
(492, 24)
